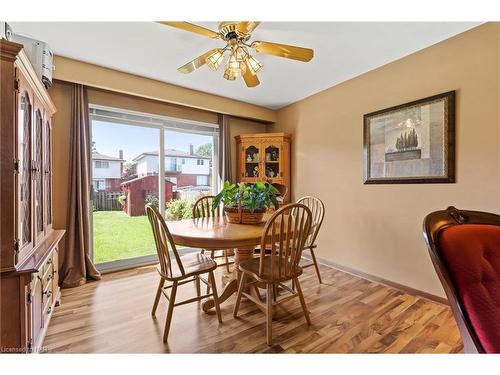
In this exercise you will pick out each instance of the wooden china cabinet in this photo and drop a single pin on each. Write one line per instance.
(29, 245)
(264, 157)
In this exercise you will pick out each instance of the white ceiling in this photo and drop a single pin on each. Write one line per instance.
(342, 50)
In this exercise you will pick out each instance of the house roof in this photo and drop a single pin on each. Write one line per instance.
(98, 156)
(173, 152)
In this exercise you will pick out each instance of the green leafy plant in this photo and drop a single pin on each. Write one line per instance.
(179, 209)
(257, 196)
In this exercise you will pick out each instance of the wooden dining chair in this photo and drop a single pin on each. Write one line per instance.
(203, 208)
(318, 213)
(285, 233)
(178, 270)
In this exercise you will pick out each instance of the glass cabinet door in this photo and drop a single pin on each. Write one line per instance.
(272, 160)
(251, 162)
(37, 171)
(24, 125)
(47, 178)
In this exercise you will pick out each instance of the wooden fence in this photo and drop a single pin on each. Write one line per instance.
(191, 196)
(107, 201)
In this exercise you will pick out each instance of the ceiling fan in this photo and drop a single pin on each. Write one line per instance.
(240, 63)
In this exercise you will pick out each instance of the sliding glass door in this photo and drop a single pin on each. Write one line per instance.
(137, 159)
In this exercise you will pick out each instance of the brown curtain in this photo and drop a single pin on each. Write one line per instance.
(225, 170)
(77, 265)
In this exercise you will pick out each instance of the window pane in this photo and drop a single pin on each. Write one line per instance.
(38, 172)
(193, 175)
(24, 178)
(121, 229)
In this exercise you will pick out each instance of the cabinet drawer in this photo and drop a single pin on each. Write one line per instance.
(47, 309)
(48, 264)
(48, 291)
(47, 278)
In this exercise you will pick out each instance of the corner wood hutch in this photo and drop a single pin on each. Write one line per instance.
(264, 157)
(29, 244)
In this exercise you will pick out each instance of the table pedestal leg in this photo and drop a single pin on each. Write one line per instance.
(241, 254)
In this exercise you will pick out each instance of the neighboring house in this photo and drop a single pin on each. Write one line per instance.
(107, 171)
(181, 167)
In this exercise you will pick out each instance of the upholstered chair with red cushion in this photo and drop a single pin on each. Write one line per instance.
(465, 249)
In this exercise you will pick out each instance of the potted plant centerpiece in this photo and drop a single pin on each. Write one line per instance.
(246, 203)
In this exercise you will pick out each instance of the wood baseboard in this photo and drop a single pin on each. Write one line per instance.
(380, 280)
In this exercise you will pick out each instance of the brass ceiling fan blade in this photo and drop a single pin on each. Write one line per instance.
(246, 27)
(196, 63)
(186, 26)
(284, 50)
(250, 79)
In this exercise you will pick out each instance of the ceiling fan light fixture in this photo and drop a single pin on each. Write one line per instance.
(253, 64)
(236, 67)
(241, 53)
(228, 74)
(236, 35)
(215, 59)
(233, 64)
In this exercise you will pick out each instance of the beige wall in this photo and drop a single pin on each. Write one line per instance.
(134, 103)
(61, 96)
(377, 228)
(70, 70)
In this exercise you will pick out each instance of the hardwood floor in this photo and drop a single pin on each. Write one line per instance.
(349, 315)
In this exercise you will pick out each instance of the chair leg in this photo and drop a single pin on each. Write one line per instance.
(227, 260)
(197, 283)
(157, 297)
(240, 293)
(212, 255)
(313, 256)
(269, 314)
(170, 311)
(215, 296)
(302, 301)
(275, 292)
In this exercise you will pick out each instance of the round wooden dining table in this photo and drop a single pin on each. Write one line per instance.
(216, 233)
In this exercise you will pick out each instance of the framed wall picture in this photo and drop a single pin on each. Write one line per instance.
(411, 143)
